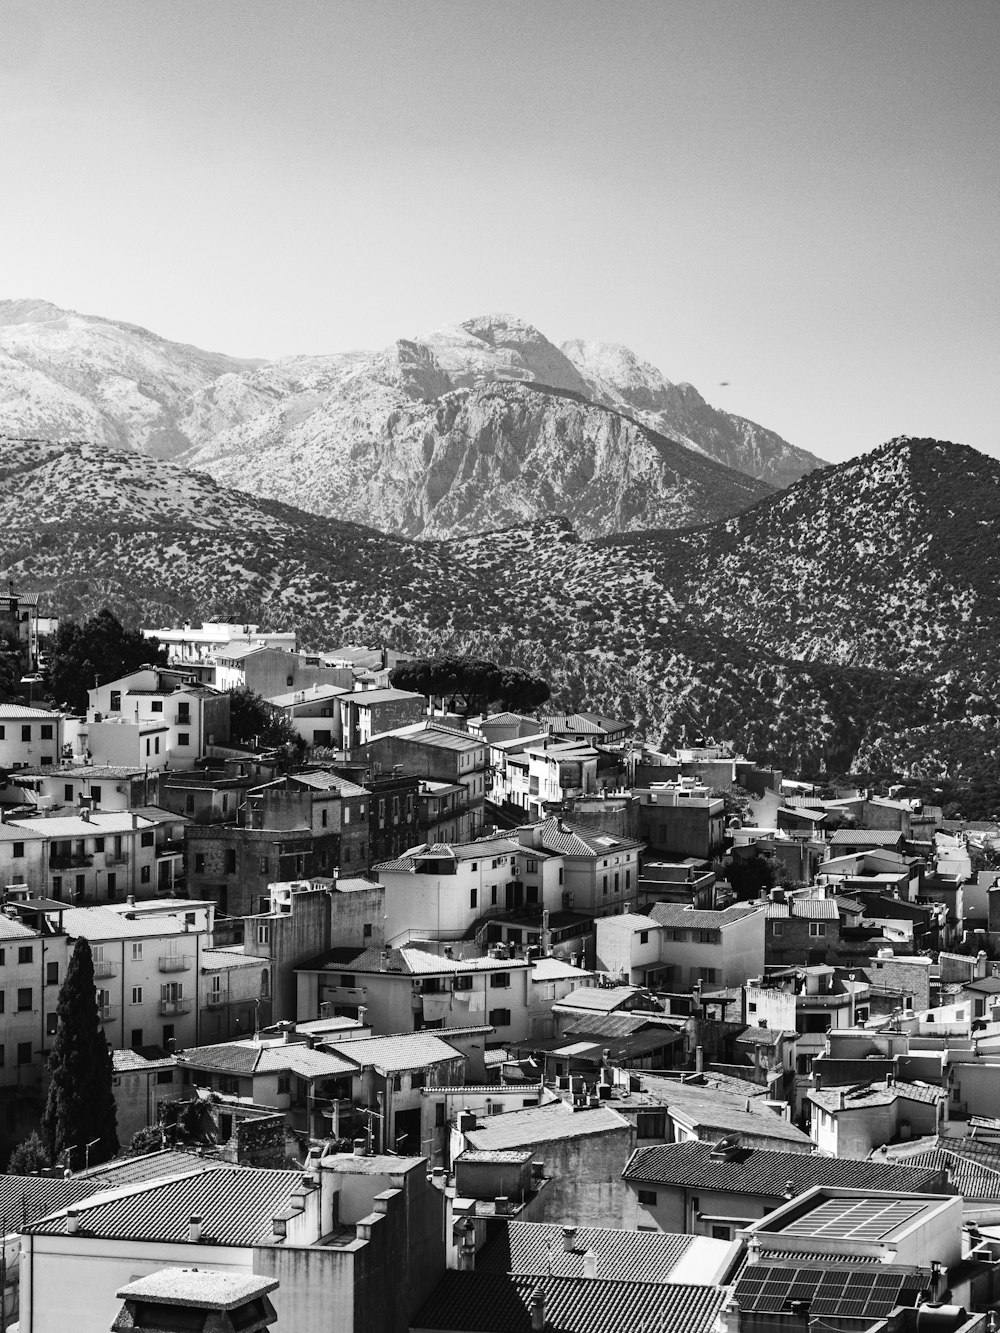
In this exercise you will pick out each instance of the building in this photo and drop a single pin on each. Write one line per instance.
(203, 643)
(93, 858)
(590, 727)
(411, 989)
(599, 872)
(103, 787)
(272, 670)
(395, 815)
(802, 929)
(687, 947)
(853, 1121)
(713, 1189)
(679, 819)
(314, 714)
(368, 713)
(29, 737)
(235, 987)
(358, 1241)
(153, 718)
(441, 754)
(19, 617)
(143, 1084)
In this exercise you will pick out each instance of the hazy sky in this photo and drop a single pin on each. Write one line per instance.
(800, 197)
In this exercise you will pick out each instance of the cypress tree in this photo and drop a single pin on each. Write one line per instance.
(80, 1107)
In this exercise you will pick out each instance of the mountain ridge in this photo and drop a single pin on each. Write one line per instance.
(305, 429)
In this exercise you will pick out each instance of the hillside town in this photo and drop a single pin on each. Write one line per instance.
(448, 1021)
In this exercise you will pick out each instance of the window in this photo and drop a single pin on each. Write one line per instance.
(473, 897)
(347, 814)
(263, 865)
(183, 738)
(164, 1076)
(144, 876)
(157, 705)
(3, 733)
(98, 844)
(52, 974)
(462, 983)
(284, 1084)
(263, 933)
(148, 838)
(500, 1018)
(95, 795)
(348, 980)
(643, 936)
(51, 1024)
(115, 705)
(136, 951)
(137, 995)
(188, 804)
(531, 866)
(24, 1052)
(366, 930)
(707, 974)
(230, 864)
(500, 981)
(720, 1232)
(26, 733)
(56, 886)
(67, 791)
(25, 954)
(23, 999)
(493, 896)
(817, 928)
(777, 927)
(708, 936)
(648, 1197)
(3, 1054)
(18, 850)
(324, 817)
(289, 680)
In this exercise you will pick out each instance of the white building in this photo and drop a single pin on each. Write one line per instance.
(29, 737)
(201, 643)
(155, 719)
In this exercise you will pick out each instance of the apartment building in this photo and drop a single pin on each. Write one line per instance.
(154, 718)
(29, 737)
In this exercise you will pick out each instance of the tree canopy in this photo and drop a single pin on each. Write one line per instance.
(97, 651)
(255, 722)
(79, 1123)
(29, 1157)
(471, 683)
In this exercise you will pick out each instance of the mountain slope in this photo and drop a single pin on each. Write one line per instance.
(616, 377)
(65, 374)
(376, 436)
(877, 649)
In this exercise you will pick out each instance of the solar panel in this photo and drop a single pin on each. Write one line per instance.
(844, 1292)
(861, 1219)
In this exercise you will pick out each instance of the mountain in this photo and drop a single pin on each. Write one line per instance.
(466, 428)
(616, 377)
(69, 375)
(851, 621)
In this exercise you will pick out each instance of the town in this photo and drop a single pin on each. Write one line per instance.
(429, 1018)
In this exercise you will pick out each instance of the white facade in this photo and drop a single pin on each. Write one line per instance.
(200, 643)
(153, 719)
(29, 737)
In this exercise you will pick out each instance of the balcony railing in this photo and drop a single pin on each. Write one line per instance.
(216, 999)
(109, 1014)
(172, 1008)
(69, 862)
(115, 859)
(172, 847)
(102, 969)
(169, 962)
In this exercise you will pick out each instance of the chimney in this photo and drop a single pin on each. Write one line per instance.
(362, 1013)
(817, 1082)
(130, 900)
(590, 1264)
(569, 1239)
(194, 1228)
(699, 1059)
(359, 1147)
(537, 1308)
(467, 1249)
(72, 1221)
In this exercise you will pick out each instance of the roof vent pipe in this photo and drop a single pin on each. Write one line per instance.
(537, 1308)
(194, 1228)
(569, 1239)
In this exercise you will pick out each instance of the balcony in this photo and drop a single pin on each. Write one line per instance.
(69, 862)
(174, 1008)
(216, 999)
(102, 970)
(115, 859)
(107, 1014)
(182, 720)
(174, 962)
(172, 847)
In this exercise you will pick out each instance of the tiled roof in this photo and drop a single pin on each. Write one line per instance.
(105, 772)
(600, 999)
(237, 1057)
(408, 961)
(366, 698)
(14, 930)
(873, 1094)
(766, 1172)
(812, 909)
(971, 1179)
(554, 969)
(556, 835)
(761, 1037)
(537, 1248)
(544, 1124)
(97, 824)
(677, 916)
(22, 712)
(616, 1025)
(864, 837)
(409, 1050)
(216, 960)
(500, 1303)
(149, 1167)
(101, 923)
(24, 1199)
(126, 1061)
(236, 1205)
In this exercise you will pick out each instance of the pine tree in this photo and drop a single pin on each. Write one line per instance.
(80, 1108)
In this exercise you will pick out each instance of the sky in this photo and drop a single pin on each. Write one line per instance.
(793, 205)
